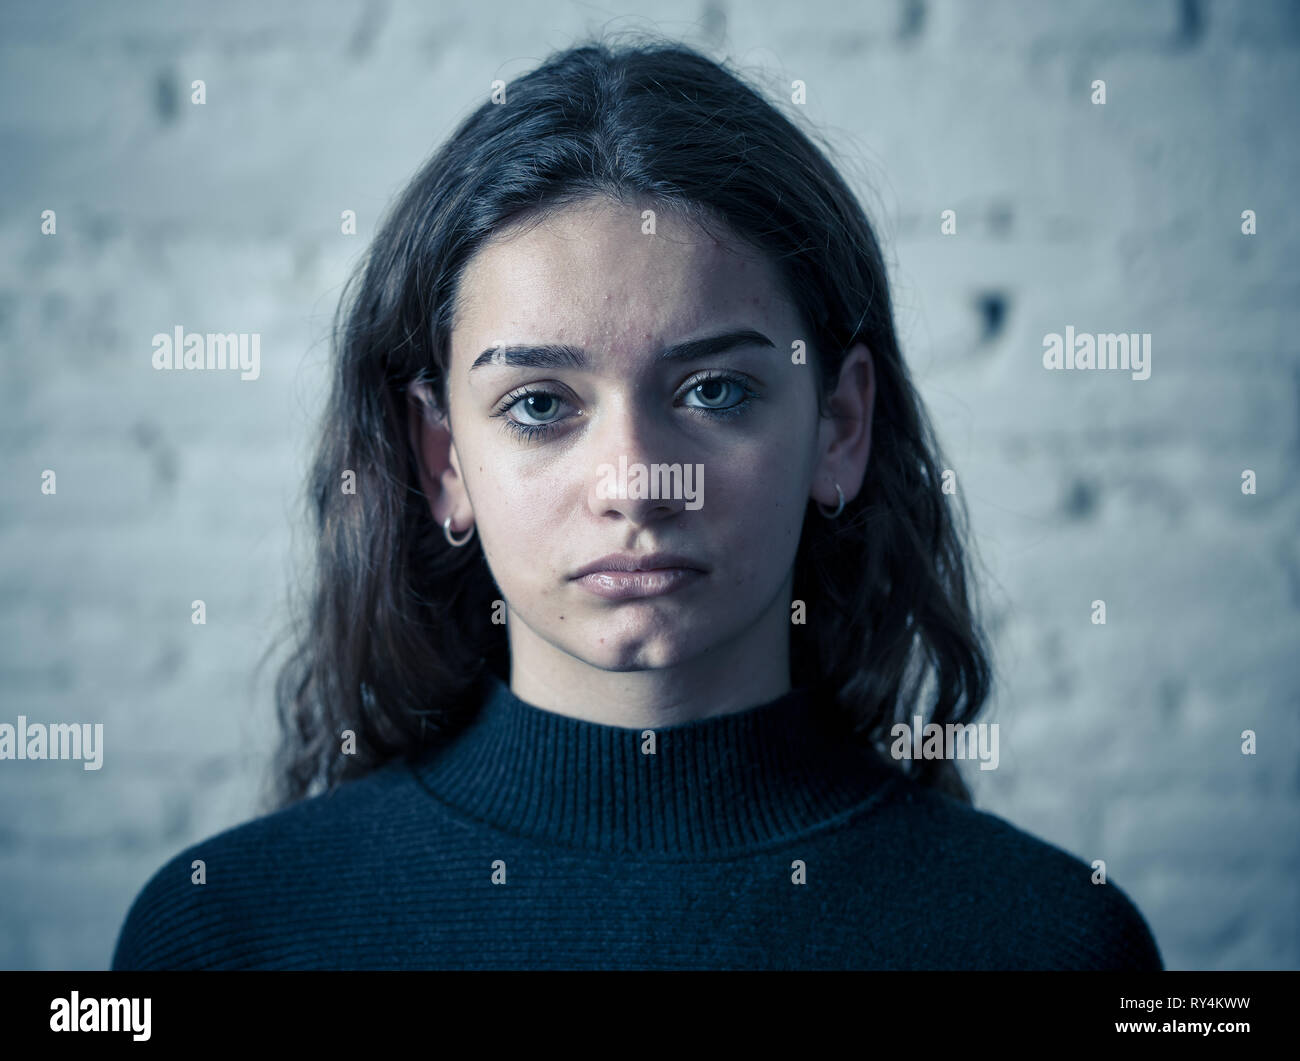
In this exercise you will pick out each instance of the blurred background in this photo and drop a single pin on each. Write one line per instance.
(1119, 742)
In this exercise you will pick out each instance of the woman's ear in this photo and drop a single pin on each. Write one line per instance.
(845, 436)
(436, 458)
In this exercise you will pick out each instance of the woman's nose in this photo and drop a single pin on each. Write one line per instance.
(635, 471)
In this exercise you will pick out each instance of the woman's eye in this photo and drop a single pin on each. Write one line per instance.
(718, 393)
(540, 407)
(532, 414)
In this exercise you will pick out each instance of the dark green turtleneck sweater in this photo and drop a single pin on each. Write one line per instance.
(761, 839)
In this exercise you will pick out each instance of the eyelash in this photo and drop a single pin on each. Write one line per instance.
(529, 432)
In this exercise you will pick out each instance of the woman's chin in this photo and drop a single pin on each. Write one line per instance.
(629, 654)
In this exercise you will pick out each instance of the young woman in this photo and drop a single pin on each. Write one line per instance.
(632, 558)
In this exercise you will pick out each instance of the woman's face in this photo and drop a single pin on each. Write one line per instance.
(546, 443)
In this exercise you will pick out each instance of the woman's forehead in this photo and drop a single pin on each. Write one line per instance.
(590, 275)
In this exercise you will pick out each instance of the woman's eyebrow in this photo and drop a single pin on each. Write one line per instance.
(551, 355)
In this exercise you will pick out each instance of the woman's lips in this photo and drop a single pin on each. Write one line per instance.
(622, 585)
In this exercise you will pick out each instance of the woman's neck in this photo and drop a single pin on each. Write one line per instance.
(713, 786)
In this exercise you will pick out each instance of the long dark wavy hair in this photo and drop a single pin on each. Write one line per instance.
(395, 633)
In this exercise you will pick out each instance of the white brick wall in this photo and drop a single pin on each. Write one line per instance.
(1118, 742)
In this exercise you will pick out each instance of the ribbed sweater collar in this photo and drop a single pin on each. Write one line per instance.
(716, 786)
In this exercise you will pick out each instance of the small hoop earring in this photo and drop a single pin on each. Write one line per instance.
(838, 508)
(446, 532)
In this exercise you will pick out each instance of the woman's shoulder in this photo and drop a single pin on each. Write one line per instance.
(189, 908)
(1052, 908)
